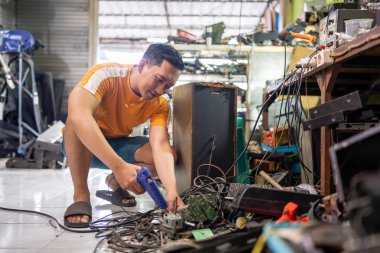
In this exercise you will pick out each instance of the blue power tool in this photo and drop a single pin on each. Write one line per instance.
(147, 182)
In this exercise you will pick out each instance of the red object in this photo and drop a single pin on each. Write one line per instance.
(185, 34)
(289, 214)
(267, 138)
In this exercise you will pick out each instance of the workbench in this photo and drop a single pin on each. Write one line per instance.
(356, 66)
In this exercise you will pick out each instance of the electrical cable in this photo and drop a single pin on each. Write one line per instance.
(300, 135)
(305, 167)
(284, 59)
(114, 229)
(211, 151)
(307, 116)
(211, 165)
(134, 232)
(265, 157)
(118, 221)
(240, 15)
(203, 184)
(297, 138)
(51, 218)
(298, 132)
(295, 121)
(287, 112)
(270, 99)
(111, 228)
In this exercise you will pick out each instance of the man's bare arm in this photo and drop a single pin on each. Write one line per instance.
(82, 106)
(164, 162)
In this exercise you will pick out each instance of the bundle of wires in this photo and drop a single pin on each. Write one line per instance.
(204, 185)
(290, 88)
(129, 231)
(135, 232)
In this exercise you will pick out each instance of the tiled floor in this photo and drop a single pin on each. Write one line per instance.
(48, 191)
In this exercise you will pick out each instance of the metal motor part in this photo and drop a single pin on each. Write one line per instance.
(172, 223)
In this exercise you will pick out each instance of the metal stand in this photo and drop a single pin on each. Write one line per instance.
(22, 77)
(46, 153)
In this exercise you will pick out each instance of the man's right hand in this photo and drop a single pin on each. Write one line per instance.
(126, 176)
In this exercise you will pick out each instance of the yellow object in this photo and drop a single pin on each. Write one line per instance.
(259, 245)
(309, 102)
(298, 53)
(120, 109)
(241, 222)
(331, 2)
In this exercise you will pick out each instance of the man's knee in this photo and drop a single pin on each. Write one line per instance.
(144, 154)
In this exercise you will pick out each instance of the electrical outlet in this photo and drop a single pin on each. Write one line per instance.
(322, 60)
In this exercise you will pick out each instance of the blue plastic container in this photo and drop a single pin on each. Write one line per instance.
(11, 39)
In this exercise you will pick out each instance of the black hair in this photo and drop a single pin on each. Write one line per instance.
(158, 52)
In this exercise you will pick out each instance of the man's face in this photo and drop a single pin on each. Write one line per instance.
(157, 80)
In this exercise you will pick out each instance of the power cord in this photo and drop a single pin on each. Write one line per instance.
(270, 100)
(92, 230)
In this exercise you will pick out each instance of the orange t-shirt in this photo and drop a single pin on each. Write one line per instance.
(120, 109)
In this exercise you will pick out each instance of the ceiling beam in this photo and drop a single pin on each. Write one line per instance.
(176, 15)
(122, 41)
(195, 1)
(167, 16)
(157, 26)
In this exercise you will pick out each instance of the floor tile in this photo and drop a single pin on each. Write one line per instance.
(68, 240)
(26, 236)
(49, 250)
(27, 218)
(49, 191)
(19, 250)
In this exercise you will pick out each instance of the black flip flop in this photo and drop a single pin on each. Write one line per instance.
(116, 197)
(78, 208)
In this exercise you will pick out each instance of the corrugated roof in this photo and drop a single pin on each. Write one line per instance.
(133, 20)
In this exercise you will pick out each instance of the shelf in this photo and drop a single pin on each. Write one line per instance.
(206, 54)
(212, 78)
(204, 47)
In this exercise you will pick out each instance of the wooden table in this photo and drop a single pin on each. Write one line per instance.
(356, 66)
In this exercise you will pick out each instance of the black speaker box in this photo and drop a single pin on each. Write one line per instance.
(204, 131)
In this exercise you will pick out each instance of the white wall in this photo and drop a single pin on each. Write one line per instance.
(266, 63)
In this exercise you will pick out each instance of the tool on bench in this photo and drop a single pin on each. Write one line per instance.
(307, 37)
(270, 180)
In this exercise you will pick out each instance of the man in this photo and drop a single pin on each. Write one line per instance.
(103, 109)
